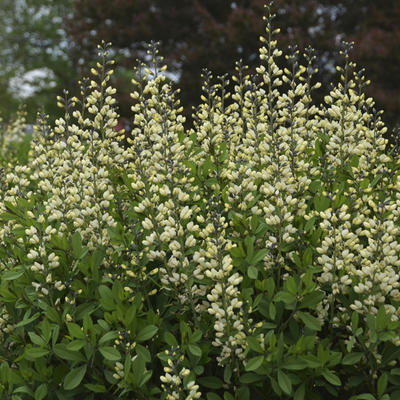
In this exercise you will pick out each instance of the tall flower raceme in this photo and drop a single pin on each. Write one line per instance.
(216, 128)
(14, 179)
(225, 303)
(177, 381)
(65, 185)
(359, 251)
(162, 183)
(78, 185)
(286, 169)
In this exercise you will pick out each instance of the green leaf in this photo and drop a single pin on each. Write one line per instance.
(41, 392)
(95, 388)
(294, 364)
(310, 300)
(331, 377)
(23, 389)
(53, 315)
(61, 350)
(254, 222)
(194, 350)
(272, 311)
(355, 159)
(376, 180)
(95, 261)
(35, 352)
(296, 260)
(36, 339)
(364, 183)
(270, 286)
(311, 361)
(228, 396)
(130, 315)
(7, 296)
(143, 352)
(146, 333)
(237, 252)
(254, 363)
(46, 330)
(309, 321)
(363, 396)
(138, 367)
(106, 298)
(254, 344)
(284, 382)
(170, 339)
(213, 396)
(197, 335)
(321, 203)
(307, 257)
(75, 330)
(12, 274)
(382, 384)
(26, 321)
(74, 377)
(334, 358)
(146, 376)
(381, 318)
(210, 382)
(286, 297)
(350, 343)
(108, 336)
(75, 345)
(252, 272)
(243, 393)
(84, 310)
(109, 353)
(352, 358)
(7, 217)
(259, 256)
(291, 285)
(227, 373)
(309, 225)
(300, 392)
(249, 242)
(275, 387)
(77, 248)
(316, 184)
(354, 321)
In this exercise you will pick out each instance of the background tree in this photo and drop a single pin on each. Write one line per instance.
(48, 44)
(37, 60)
(374, 26)
(214, 34)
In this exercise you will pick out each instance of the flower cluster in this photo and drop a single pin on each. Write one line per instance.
(12, 132)
(176, 381)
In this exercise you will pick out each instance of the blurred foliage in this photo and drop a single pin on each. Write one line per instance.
(214, 34)
(37, 59)
(61, 36)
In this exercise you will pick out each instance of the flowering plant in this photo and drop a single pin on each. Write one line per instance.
(255, 255)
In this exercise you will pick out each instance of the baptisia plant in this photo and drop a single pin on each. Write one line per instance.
(252, 256)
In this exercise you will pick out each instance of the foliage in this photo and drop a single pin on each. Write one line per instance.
(254, 256)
